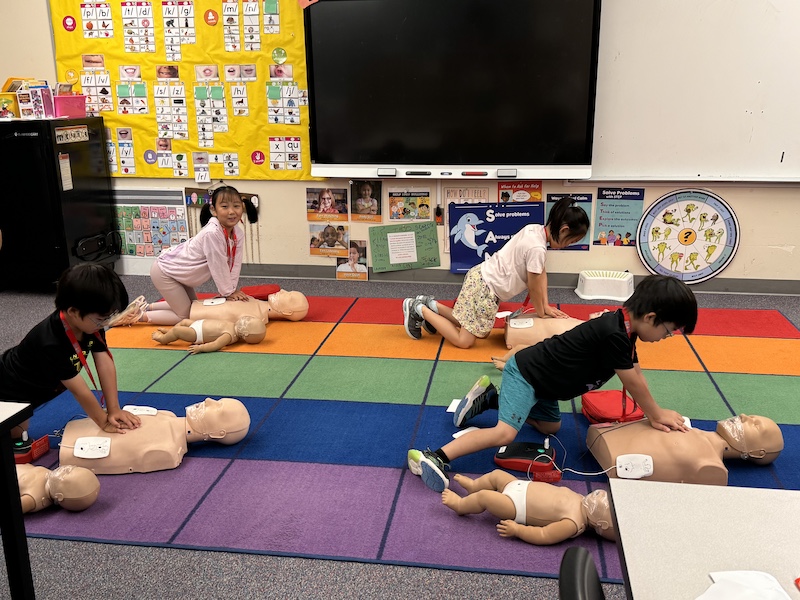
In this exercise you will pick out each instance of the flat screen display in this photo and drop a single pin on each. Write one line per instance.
(447, 86)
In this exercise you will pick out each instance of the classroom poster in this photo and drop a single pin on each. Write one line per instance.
(181, 77)
(479, 230)
(354, 267)
(616, 217)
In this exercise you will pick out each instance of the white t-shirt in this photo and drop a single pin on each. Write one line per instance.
(506, 271)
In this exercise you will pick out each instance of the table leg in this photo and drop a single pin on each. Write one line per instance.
(15, 542)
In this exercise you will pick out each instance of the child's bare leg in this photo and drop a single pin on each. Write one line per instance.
(480, 439)
(496, 503)
(448, 327)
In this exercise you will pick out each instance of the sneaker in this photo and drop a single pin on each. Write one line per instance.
(477, 400)
(431, 304)
(132, 313)
(430, 467)
(411, 319)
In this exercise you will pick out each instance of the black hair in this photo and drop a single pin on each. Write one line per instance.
(91, 288)
(668, 297)
(222, 193)
(565, 212)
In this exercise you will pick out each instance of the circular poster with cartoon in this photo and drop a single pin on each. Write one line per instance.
(689, 234)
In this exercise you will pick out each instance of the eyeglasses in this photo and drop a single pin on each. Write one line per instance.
(669, 333)
(102, 323)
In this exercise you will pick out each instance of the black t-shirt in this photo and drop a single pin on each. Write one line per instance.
(33, 370)
(582, 359)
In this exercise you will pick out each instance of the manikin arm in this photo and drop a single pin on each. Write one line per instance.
(540, 536)
(218, 344)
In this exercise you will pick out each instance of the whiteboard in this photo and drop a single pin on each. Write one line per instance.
(703, 90)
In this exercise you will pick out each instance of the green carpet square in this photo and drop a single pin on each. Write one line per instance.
(773, 396)
(221, 374)
(454, 379)
(137, 369)
(394, 381)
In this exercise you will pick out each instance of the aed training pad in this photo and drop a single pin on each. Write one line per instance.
(526, 457)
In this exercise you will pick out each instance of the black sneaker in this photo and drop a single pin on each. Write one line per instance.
(431, 304)
(411, 319)
(477, 400)
(430, 467)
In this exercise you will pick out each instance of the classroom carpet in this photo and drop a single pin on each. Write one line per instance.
(336, 401)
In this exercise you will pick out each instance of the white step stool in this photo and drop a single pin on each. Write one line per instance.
(607, 285)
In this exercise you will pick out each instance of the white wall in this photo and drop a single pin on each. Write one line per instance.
(769, 214)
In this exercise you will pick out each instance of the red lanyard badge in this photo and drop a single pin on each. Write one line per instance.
(230, 247)
(79, 352)
(626, 319)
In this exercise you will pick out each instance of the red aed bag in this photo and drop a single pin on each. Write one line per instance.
(610, 406)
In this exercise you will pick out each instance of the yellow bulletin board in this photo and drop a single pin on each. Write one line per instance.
(202, 89)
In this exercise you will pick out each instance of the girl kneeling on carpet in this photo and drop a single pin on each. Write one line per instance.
(516, 267)
(214, 253)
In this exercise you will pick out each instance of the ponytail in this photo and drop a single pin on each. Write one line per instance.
(566, 212)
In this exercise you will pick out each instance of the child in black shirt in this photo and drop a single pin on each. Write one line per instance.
(566, 366)
(47, 360)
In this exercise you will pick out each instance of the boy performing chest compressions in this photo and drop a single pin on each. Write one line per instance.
(562, 367)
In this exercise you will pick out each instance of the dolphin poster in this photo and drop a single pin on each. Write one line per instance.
(477, 231)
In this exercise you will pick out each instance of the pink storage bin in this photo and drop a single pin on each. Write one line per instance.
(70, 106)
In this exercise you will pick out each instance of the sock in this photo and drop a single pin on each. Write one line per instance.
(440, 453)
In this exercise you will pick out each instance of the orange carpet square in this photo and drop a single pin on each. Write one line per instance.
(378, 341)
(758, 356)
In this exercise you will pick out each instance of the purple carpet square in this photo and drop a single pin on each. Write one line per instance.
(297, 508)
(135, 508)
(426, 532)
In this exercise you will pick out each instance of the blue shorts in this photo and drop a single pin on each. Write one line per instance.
(518, 401)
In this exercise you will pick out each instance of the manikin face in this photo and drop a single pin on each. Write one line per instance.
(287, 302)
(598, 513)
(225, 421)
(250, 329)
(756, 438)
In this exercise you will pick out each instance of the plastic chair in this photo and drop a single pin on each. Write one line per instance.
(577, 577)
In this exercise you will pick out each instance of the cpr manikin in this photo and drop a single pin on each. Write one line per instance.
(161, 440)
(533, 511)
(694, 456)
(70, 487)
(210, 335)
(282, 305)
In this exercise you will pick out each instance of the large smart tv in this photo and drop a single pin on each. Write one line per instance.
(452, 88)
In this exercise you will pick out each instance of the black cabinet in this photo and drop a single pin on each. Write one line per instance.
(57, 203)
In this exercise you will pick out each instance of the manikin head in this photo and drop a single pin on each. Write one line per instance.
(250, 329)
(225, 421)
(73, 488)
(292, 305)
(598, 514)
(756, 439)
